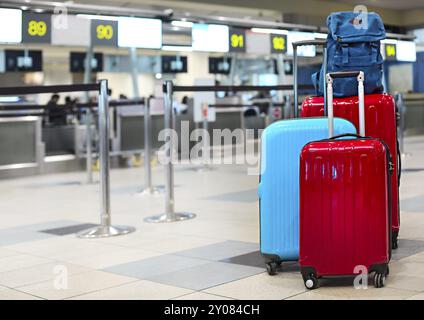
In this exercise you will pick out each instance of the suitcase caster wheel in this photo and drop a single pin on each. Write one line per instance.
(271, 268)
(311, 282)
(379, 279)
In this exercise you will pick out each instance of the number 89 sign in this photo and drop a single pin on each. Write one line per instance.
(36, 28)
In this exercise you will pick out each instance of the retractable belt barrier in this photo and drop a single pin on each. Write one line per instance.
(168, 89)
(105, 229)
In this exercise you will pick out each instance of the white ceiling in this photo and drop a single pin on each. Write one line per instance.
(388, 4)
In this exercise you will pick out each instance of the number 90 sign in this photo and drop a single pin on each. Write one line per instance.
(104, 33)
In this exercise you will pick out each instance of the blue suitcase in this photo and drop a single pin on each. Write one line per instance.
(282, 143)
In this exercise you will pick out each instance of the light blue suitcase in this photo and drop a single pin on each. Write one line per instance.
(278, 191)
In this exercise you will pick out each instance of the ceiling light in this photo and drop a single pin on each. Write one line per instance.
(97, 17)
(182, 24)
(269, 31)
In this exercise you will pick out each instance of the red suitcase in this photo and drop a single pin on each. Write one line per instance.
(345, 211)
(380, 117)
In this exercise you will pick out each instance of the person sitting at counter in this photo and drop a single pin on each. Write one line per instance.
(56, 114)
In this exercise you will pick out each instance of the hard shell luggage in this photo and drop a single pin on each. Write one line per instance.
(380, 116)
(345, 211)
(278, 189)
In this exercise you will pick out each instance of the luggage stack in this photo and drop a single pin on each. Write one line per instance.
(329, 197)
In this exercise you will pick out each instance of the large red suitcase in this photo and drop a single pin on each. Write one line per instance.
(380, 122)
(345, 208)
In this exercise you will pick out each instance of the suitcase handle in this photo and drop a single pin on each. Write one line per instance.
(361, 97)
(348, 135)
(295, 45)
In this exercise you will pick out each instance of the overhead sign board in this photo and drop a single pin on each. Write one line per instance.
(139, 33)
(75, 32)
(104, 33)
(237, 40)
(390, 51)
(36, 27)
(10, 25)
(278, 43)
(210, 37)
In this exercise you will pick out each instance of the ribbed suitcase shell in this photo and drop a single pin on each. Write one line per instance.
(380, 122)
(278, 191)
(344, 206)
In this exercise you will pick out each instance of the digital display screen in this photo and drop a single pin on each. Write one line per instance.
(140, 33)
(174, 64)
(219, 65)
(77, 62)
(406, 51)
(303, 51)
(10, 25)
(210, 38)
(23, 60)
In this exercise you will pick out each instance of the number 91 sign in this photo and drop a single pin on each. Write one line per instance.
(36, 28)
(104, 33)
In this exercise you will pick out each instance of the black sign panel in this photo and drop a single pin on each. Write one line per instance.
(77, 62)
(23, 60)
(104, 33)
(390, 51)
(174, 64)
(36, 27)
(237, 38)
(220, 65)
(278, 43)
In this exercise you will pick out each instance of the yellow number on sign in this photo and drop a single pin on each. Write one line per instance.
(104, 32)
(237, 41)
(279, 43)
(37, 28)
(390, 51)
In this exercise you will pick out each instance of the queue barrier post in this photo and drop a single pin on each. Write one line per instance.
(170, 215)
(105, 229)
(149, 189)
(89, 141)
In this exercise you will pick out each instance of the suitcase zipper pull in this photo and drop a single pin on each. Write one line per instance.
(391, 167)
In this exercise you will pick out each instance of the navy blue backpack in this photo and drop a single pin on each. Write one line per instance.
(353, 44)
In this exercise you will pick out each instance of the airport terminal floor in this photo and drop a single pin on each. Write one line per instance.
(214, 256)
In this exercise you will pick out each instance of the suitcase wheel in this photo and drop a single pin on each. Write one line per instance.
(272, 267)
(379, 279)
(311, 282)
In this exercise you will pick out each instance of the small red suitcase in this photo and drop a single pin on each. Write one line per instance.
(345, 211)
(380, 117)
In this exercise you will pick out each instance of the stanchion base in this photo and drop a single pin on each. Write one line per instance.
(177, 216)
(151, 191)
(105, 231)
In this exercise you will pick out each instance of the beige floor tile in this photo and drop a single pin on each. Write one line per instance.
(139, 290)
(77, 285)
(4, 253)
(344, 293)
(11, 294)
(38, 273)
(262, 287)
(419, 296)
(408, 269)
(201, 296)
(112, 258)
(405, 282)
(20, 261)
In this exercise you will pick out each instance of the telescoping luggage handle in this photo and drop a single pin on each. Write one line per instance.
(361, 97)
(295, 45)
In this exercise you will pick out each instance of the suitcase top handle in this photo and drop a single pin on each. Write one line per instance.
(295, 45)
(361, 98)
(309, 43)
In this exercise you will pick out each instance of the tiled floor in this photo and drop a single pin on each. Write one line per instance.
(214, 256)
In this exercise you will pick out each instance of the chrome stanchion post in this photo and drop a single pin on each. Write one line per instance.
(89, 141)
(105, 229)
(149, 188)
(170, 215)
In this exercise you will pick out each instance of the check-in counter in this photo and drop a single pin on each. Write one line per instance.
(413, 113)
(21, 146)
